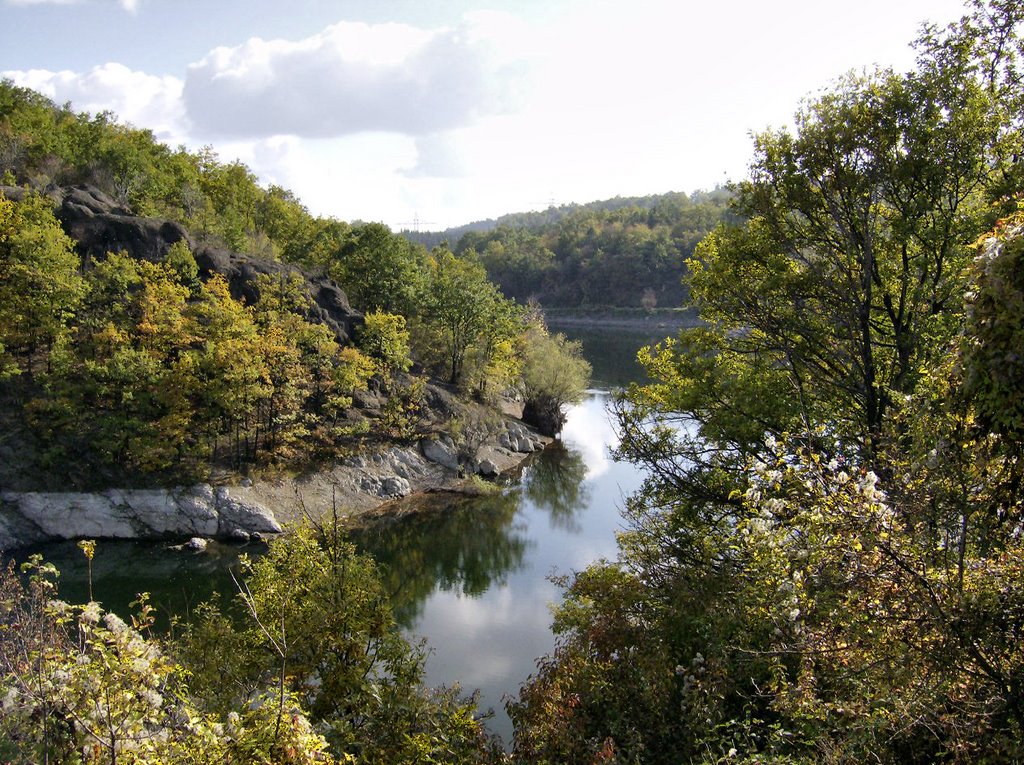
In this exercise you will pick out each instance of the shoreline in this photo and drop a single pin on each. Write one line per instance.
(371, 484)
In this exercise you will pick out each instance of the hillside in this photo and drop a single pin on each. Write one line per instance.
(164, 318)
(626, 252)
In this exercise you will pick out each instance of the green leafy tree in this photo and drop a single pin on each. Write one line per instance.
(384, 338)
(380, 271)
(820, 565)
(317, 623)
(118, 393)
(180, 258)
(554, 374)
(233, 379)
(40, 287)
(460, 308)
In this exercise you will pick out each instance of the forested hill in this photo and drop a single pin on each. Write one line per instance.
(621, 252)
(536, 219)
(162, 315)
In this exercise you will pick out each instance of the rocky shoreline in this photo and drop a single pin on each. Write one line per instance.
(357, 485)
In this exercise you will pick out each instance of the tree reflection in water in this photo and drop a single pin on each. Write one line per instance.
(554, 483)
(465, 544)
(469, 544)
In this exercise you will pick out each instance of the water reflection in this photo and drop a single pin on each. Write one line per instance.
(612, 353)
(554, 484)
(177, 580)
(457, 544)
(468, 545)
(472, 575)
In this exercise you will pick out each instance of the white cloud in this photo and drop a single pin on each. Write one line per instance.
(572, 101)
(138, 98)
(350, 78)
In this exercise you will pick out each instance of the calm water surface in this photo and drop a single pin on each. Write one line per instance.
(472, 576)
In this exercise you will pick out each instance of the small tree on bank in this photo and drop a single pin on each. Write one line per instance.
(554, 374)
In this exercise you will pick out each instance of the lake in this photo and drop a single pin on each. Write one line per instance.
(474, 577)
(471, 575)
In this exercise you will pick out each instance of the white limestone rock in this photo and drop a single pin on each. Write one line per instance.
(441, 451)
(395, 486)
(385, 487)
(236, 513)
(73, 515)
(30, 517)
(196, 504)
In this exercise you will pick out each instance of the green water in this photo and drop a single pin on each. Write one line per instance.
(612, 352)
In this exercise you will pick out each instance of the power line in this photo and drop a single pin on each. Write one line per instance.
(416, 223)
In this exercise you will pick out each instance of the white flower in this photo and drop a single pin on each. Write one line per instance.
(867, 481)
(91, 612)
(115, 623)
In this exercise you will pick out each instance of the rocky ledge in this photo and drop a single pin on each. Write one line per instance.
(201, 511)
(356, 485)
(98, 225)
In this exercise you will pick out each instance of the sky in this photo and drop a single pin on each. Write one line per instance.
(429, 114)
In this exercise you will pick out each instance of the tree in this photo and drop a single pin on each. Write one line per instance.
(82, 685)
(820, 565)
(459, 307)
(378, 270)
(118, 393)
(315, 621)
(40, 287)
(384, 337)
(554, 374)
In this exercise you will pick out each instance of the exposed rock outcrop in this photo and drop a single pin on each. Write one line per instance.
(358, 484)
(442, 451)
(31, 517)
(99, 225)
(330, 304)
(504, 448)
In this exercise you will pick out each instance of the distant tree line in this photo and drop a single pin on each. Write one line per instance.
(620, 253)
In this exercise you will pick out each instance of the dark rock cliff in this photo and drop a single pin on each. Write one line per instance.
(98, 225)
